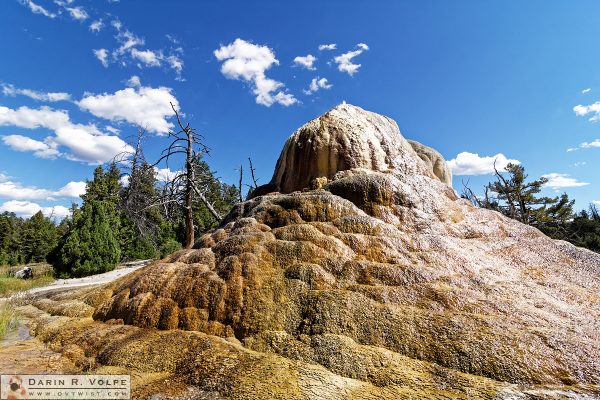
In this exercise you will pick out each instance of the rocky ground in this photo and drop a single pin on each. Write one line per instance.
(356, 273)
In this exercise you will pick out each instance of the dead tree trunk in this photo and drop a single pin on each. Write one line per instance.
(183, 143)
(189, 190)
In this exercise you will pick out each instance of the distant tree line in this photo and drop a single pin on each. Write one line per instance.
(143, 218)
(514, 196)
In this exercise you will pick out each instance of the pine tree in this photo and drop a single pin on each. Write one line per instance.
(39, 236)
(92, 245)
(10, 239)
(140, 220)
(220, 195)
(518, 197)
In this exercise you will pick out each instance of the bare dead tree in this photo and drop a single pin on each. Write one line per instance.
(254, 180)
(240, 183)
(468, 194)
(505, 190)
(184, 187)
(594, 212)
(138, 196)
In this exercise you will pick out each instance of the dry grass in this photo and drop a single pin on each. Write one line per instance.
(8, 319)
(9, 285)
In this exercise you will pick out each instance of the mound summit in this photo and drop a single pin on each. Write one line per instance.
(356, 273)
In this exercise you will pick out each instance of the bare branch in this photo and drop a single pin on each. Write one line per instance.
(254, 180)
(209, 206)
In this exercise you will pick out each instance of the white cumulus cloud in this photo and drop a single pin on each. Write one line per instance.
(165, 174)
(148, 57)
(316, 84)
(587, 145)
(144, 106)
(558, 181)
(26, 209)
(584, 91)
(84, 142)
(593, 109)
(14, 190)
(72, 189)
(467, 163)
(17, 191)
(248, 62)
(24, 143)
(306, 61)
(345, 63)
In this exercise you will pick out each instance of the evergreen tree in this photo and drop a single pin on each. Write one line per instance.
(39, 236)
(518, 198)
(140, 220)
(92, 245)
(167, 240)
(10, 239)
(220, 195)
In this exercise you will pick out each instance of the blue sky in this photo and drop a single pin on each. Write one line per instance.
(476, 80)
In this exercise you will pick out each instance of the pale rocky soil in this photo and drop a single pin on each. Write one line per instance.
(21, 353)
(357, 273)
(98, 279)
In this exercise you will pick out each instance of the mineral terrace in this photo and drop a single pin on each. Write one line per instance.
(356, 273)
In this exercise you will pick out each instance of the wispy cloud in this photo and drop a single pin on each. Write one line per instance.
(102, 56)
(96, 26)
(176, 64)
(77, 13)
(316, 84)
(11, 90)
(246, 61)
(131, 48)
(584, 91)
(134, 81)
(466, 163)
(585, 145)
(331, 46)
(37, 9)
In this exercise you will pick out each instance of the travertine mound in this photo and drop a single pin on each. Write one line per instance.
(378, 283)
(343, 139)
(434, 161)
